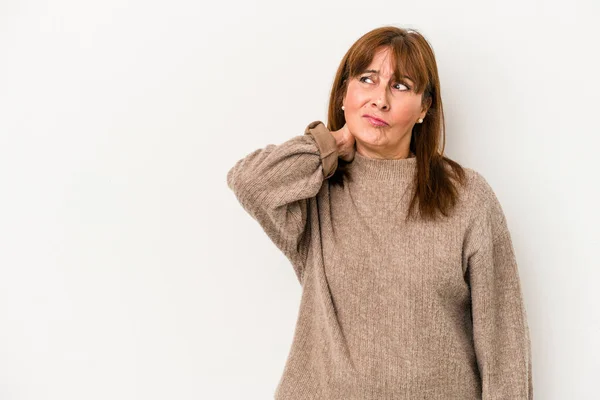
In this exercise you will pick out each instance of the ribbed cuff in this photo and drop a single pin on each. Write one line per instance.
(327, 146)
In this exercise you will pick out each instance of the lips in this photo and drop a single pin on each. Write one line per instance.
(375, 120)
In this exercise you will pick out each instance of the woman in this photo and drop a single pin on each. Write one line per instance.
(410, 288)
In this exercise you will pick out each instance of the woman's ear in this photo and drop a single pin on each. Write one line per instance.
(426, 107)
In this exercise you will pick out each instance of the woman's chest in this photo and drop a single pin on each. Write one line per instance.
(369, 245)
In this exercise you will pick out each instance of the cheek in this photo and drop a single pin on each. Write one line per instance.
(354, 101)
(403, 116)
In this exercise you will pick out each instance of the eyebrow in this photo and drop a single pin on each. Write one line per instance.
(377, 72)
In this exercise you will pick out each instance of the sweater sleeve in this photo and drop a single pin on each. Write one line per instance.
(500, 328)
(274, 184)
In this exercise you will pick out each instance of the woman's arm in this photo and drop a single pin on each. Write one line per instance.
(500, 327)
(274, 183)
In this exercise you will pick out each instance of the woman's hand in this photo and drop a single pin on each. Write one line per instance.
(345, 142)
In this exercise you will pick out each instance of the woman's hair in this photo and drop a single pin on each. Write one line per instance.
(413, 56)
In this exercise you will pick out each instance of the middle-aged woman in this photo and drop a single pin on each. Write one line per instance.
(410, 287)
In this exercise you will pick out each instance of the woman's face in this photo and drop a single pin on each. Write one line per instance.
(375, 92)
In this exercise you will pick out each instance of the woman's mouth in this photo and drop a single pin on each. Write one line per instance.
(375, 121)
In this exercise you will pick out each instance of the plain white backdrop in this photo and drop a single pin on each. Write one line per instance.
(127, 268)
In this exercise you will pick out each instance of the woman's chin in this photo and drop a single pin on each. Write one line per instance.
(372, 136)
(370, 141)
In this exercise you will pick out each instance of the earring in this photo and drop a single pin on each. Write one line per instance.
(420, 120)
(343, 108)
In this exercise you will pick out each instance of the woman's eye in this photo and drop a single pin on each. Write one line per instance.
(362, 79)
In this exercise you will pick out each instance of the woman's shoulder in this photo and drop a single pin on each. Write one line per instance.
(480, 193)
(474, 180)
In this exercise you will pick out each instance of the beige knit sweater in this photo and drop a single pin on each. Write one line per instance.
(390, 310)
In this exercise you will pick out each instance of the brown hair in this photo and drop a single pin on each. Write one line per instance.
(434, 189)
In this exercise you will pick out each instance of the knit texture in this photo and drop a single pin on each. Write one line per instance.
(390, 309)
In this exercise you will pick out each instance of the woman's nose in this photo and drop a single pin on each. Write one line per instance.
(381, 98)
(380, 102)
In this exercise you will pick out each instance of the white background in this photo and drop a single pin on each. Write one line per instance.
(127, 268)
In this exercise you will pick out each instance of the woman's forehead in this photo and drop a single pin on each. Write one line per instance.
(384, 67)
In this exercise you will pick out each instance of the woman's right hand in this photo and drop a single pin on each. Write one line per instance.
(345, 142)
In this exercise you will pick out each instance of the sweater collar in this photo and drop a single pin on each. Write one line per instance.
(402, 169)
